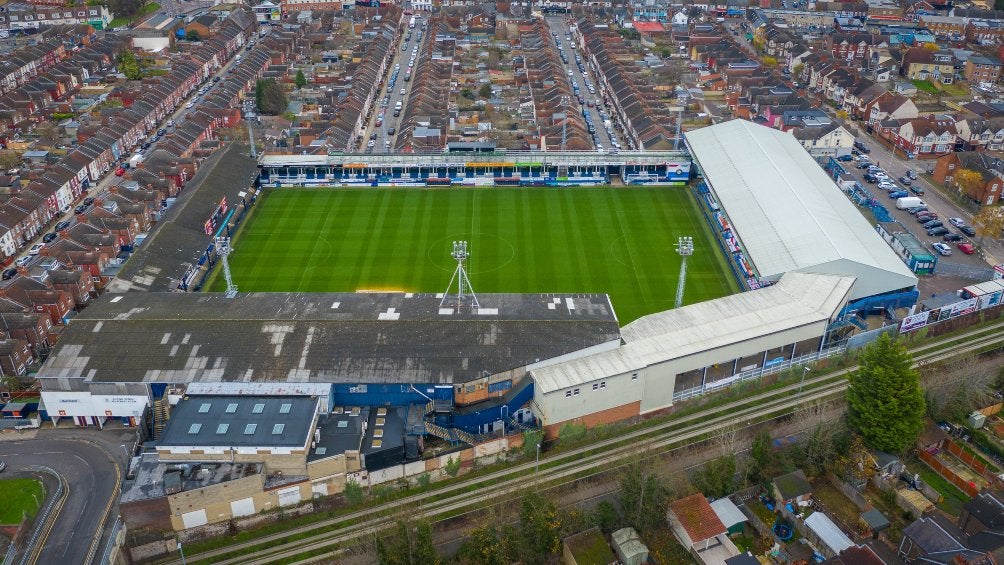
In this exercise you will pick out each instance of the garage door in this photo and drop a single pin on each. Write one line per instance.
(289, 496)
(243, 507)
(194, 519)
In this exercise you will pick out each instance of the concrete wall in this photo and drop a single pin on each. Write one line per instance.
(215, 499)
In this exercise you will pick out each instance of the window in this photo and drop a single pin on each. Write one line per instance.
(232, 408)
(285, 408)
(222, 428)
(194, 429)
(258, 408)
(603, 384)
(204, 409)
(277, 429)
(634, 376)
(575, 393)
(250, 429)
(568, 394)
(596, 386)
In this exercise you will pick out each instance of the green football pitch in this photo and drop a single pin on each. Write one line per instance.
(618, 241)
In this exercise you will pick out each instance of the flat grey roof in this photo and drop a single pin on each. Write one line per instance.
(322, 337)
(154, 479)
(240, 421)
(339, 432)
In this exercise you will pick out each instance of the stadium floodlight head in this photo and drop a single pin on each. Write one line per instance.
(465, 293)
(685, 247)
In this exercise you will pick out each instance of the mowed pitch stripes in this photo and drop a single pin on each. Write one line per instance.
(617, 241)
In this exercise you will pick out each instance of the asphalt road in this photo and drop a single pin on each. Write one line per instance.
(91, 476)
(560, 25)
(402, 56)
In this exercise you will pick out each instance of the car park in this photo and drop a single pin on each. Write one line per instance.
(966, 247)
(941, 248)
(952, 237)
(36, 249)
(940, 230)
(49, 237)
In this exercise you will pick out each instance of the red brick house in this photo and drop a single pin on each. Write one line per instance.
(989, 167)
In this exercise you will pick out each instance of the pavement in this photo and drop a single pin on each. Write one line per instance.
(92, 472)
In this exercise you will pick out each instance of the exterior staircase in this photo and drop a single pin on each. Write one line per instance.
(452, 435)
(161, 411)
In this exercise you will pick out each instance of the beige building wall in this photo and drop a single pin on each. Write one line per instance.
(292, 463)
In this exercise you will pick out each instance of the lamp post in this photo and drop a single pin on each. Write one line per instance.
(182, 552)
(537, 468)
(805, 371)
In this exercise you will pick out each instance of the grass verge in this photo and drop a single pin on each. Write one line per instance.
(19, 496)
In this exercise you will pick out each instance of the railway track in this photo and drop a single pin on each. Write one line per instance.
(575, 464)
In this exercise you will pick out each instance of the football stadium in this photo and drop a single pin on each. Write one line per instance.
(348, 295)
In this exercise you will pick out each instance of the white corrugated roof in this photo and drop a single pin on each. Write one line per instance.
(788, 213)
(728, 512)
(828, 532)
(798, 299)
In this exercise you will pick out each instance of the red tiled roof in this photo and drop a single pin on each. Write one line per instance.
(648, 27)
(697, 517)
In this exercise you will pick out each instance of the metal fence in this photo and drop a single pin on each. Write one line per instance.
(106, 557)
(757, 373)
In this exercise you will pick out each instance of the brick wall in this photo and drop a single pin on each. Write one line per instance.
(607, 416)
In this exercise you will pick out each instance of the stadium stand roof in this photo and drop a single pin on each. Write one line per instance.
(797, 299)
(179, 239)
(787, 212)
(322, 337)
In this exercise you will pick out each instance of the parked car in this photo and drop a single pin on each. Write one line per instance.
(88, 201)
(61, 225)
(968, 230)
(120, 171)
(80, 209)
(2, 466)
(36, 249)
(917, 189)
(905, 180)
(942, 249)
(916, 210)
(926, 217)
(966, 248)
(870, 178)
(898, 194)
(51, 236)
(9, 274)
(934, 224)
(912, 174)
(23, 261)
(864, 165)
(937, 231)
(952, 237)
(957, 222)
